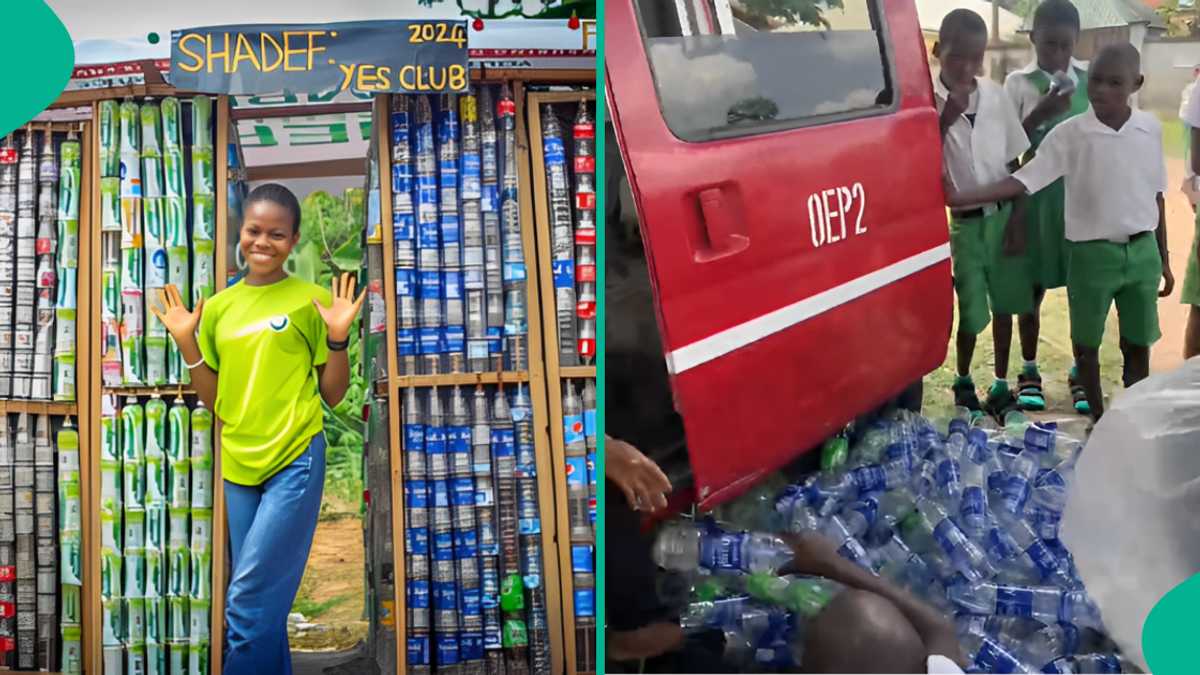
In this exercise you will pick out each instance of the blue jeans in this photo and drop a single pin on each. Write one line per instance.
(271, 530)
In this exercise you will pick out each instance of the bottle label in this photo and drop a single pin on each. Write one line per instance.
(589, 423)
(414, 437)
(1015, 492)
(416, 493)
(564, 274)
(445, 595)
(471, 602)
(582, 559)
(949, 537)
(459, 439)
(435, 440)
(402, 226)
(418, 540)
(573, 429)
(1040, 438)
(576, 472)
(999, 545)
(974, 503)
(447, 649)
(869, 508)
(504, 442)
(853, 551)
(1014, 601)
(466, 544)
(418, 650)
(585, 602)
(441, 494)
(1047, 563)
(993, 658)
(443, 546)
(948, 475)
(722, 551)
(870, 478)
(958, 426)
(418, 593)
(464, 491)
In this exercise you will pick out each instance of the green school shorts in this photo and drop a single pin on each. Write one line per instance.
(1191, 280)
(986, 281)
(1101, 272)
(1045, 217)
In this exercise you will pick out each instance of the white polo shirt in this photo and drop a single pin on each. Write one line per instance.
(1189, 112)
(975, 155)
(1025, 96)
(1113, 178)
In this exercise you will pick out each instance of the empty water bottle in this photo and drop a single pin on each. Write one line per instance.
(963, 553)
(687, 547)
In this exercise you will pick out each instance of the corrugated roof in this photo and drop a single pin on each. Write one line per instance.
(1110, 13)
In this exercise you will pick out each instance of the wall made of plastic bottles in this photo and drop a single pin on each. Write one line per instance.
(476, 587)
(158, 227)
(39, 263)
(563, 154)
(39, 512)
(156, 535)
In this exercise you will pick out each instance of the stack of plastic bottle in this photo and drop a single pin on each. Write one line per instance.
(39, 243)
(146, 241)
(579, 441)
(156, 492)
(964, 515)
(473, 552)
(460, 269)
(571, 196)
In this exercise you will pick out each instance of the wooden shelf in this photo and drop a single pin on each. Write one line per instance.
(577, 372)
(164, 391)
(39, 407)
(460, 379)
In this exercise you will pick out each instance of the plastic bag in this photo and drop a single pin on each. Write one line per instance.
(1132, 520)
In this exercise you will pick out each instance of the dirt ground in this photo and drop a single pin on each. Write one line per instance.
(333, 584)
(1168, 353)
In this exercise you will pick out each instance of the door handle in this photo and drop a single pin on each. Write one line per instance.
(723, 226)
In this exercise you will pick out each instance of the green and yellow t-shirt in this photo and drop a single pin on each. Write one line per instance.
(265, 343)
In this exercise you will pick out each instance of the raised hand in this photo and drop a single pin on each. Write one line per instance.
(173, 314)
(340, 315)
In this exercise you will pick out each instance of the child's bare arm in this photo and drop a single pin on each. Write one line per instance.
(1006, 190)
(1161, 234)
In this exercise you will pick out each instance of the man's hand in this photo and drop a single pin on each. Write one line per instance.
(1052, 105)
(646, 642)
(644, 484)
(812, 554)
(956, 104)
(1168, 281)
(1014, 233)
(952, 197)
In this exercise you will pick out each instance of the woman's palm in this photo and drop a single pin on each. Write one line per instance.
(340, 314)
(178, 319)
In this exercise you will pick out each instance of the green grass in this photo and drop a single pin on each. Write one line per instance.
(1054, 360)
(1174, 138)
(312, 609)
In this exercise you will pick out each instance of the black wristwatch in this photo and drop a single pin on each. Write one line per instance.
(337, 346)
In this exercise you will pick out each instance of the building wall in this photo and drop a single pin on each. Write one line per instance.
(1167, 65)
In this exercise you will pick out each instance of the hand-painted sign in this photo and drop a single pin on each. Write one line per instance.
(425, 56)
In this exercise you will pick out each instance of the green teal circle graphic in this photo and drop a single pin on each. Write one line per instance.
(36, 59)
(1169, 634)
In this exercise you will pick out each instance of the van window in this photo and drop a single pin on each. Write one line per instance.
(736, 67)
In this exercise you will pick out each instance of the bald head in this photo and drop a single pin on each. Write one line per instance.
(860, 632)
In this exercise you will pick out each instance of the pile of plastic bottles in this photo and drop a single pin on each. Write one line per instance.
(962, 513)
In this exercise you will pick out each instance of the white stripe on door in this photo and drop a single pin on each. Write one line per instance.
(717, 345)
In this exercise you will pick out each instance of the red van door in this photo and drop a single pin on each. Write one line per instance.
(786, 172)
